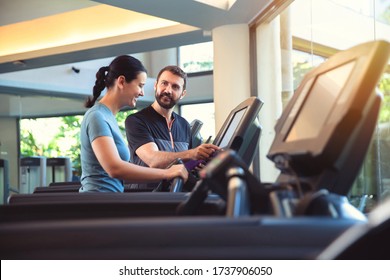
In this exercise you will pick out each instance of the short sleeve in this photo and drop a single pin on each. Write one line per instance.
(137, 133)
(97, 126)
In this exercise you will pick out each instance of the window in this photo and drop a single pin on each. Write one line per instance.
(325, 26)
(52, 137)
(192, 111)
(302, 63)
(58, 137)
(197, 57)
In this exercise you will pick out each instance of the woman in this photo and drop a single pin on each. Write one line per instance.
(104, 154)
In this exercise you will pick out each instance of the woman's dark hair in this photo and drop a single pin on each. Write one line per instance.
(175, 70)
(124, 65)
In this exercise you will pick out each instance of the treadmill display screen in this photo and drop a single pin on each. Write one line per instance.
(324, 94)
(231, 128)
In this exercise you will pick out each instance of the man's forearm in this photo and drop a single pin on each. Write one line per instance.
(161, 159)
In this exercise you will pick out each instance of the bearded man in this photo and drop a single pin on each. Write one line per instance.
(156, 135)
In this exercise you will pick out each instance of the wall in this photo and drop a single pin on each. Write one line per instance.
(9, 148)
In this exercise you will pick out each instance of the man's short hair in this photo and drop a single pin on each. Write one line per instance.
(175, 70)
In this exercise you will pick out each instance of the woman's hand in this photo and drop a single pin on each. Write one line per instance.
(177, 170)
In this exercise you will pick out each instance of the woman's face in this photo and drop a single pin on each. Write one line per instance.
(134, 89)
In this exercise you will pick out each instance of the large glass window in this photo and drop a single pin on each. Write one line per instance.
(331, 25)
(52, 137)
(340, 24)
(303, 62)
(203, 112)
(197, 57)
(57, 137)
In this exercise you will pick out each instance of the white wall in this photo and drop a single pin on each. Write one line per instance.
(9, 147)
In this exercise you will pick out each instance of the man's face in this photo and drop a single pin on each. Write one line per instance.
(169, 90)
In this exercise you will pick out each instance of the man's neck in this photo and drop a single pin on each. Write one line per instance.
(166, 113)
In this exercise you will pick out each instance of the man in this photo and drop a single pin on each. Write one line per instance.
(157, 135)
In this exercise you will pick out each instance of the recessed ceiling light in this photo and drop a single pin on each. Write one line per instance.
(20, 63)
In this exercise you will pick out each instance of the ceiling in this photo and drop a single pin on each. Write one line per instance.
(41, 33)
(40, 41)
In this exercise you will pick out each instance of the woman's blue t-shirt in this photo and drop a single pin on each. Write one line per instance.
(99, 121)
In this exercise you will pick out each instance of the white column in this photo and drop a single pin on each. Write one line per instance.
(286, 51)
(269, 82)
(231, 69)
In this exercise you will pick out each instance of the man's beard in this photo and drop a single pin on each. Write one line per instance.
(168, 106)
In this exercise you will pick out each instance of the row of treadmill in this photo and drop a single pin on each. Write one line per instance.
(321, 140)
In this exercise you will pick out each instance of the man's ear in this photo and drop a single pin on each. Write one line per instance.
(183, 94)
(155, 86)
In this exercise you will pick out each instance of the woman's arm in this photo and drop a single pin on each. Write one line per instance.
(107, 155)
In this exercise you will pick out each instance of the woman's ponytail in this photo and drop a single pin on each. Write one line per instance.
(125, 65)
(99, 86)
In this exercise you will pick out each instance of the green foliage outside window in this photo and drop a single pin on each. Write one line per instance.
(63, 142)
(384, 87)
(198, 66)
